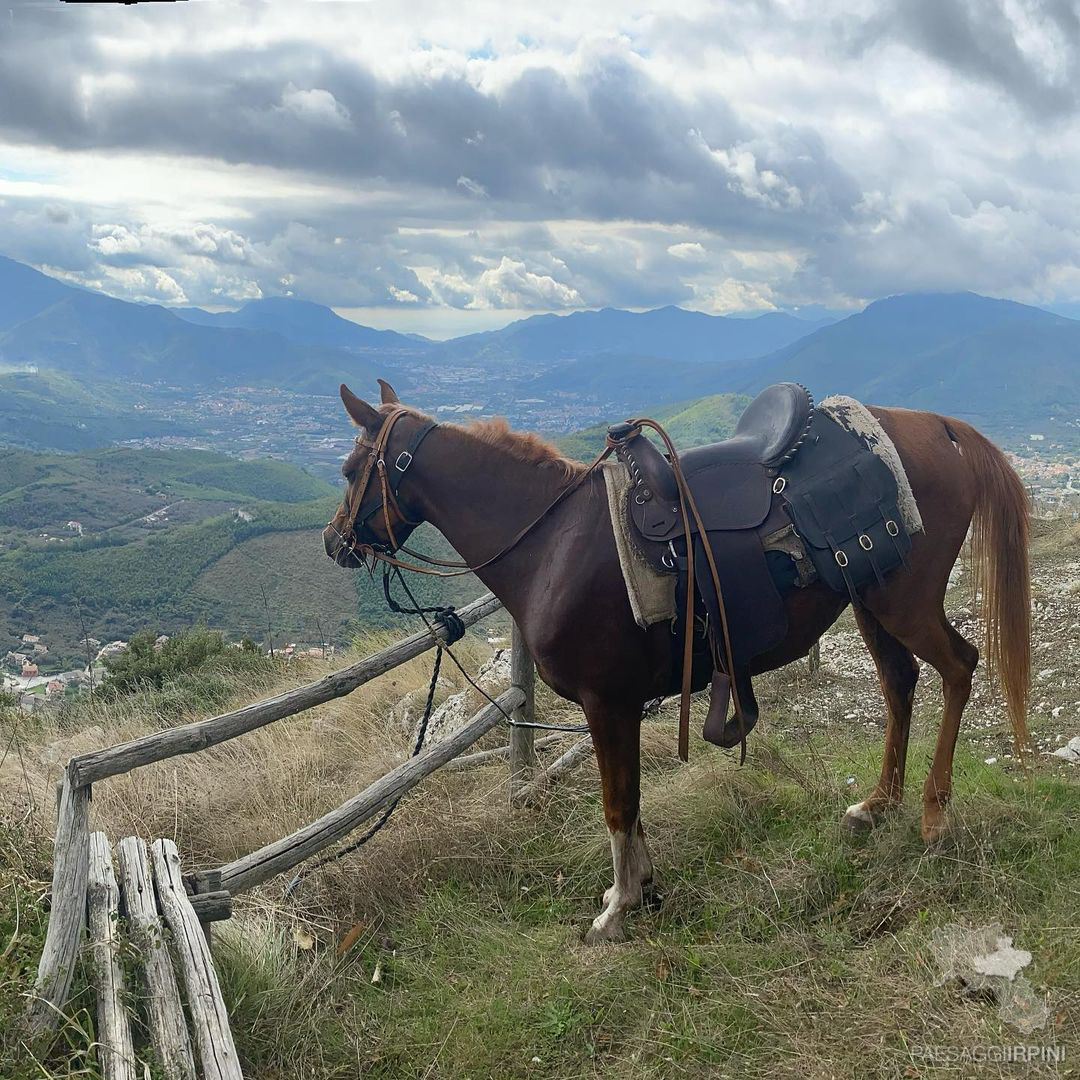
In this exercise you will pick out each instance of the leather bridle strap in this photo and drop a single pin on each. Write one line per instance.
(389, 486)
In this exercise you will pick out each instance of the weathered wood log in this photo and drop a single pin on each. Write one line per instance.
(201, 884)
(213, 906)
(485, 757)
(67, 917)
(522, 739)
(165, 1013)
(116, 1052)
(210, 1021)
(189, 738)
(562, 764)
(284, 854)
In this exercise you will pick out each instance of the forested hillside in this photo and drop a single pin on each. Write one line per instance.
(688, 423)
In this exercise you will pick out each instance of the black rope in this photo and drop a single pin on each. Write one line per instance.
(577, 729)
(444, 616)
(451, 621)
(384, 817)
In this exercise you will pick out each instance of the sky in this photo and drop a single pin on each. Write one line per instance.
(442, 168)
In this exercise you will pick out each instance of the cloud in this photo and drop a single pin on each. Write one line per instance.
(495, 158)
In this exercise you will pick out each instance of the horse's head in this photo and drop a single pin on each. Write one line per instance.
(372, 514)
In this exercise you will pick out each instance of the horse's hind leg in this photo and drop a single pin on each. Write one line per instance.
(955, 658)
(936, 641)
(898, 672)
(616, 733)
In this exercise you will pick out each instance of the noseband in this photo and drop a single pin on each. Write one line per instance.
(359, 533)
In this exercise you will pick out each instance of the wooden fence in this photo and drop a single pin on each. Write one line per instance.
(82, 863)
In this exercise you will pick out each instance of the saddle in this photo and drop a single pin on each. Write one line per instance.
(788, 467)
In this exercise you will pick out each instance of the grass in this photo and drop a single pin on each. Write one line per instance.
(451, 945)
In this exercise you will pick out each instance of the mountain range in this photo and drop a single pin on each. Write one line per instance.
(997, 362)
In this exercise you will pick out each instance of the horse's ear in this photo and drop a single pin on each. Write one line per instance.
(361, 413)
(389, 396)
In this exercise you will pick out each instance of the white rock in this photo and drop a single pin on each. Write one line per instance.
(1070, 751)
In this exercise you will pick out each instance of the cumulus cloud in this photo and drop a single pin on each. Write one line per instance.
(496, 158)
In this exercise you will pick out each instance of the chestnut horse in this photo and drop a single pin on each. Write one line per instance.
(480, 484)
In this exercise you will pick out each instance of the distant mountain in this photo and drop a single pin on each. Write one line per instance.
(959, 353)
(59, 327)
(668, 333)
(24, 292)
(303, 323)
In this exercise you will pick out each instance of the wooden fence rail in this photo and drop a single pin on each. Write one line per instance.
(284, 854)
(187, 739)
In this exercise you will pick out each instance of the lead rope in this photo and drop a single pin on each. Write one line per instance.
(455, 631)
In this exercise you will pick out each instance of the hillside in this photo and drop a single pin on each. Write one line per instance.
(689, 424)
(1002, 365)
(55, 410)
(121, 539)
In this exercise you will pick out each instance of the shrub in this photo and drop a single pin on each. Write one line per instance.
(144, 663)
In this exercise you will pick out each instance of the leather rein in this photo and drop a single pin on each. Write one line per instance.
(384, 553)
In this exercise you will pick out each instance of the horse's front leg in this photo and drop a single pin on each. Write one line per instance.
(616, 733)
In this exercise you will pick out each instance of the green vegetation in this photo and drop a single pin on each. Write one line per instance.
(145, 663)
(152, 523)
(781, 945)
(782, 948)
(48, 408)
(689, 424)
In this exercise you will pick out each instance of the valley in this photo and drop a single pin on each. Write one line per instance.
(200, 452)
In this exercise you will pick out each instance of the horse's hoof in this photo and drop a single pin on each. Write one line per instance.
(857, 819)
(932, 831)
(605, 933)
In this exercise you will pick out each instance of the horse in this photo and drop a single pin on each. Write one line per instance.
(536, 527)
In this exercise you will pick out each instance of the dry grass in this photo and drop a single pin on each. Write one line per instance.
(782, 948)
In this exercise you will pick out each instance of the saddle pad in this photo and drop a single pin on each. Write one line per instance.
(855, 417)
(651, 594)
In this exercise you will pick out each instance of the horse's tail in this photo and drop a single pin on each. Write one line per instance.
(1002, 582)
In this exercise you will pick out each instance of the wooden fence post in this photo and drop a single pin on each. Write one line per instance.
(522, 739)
(67, 916)
(168, 1029)
(210, 1021)
(116, 1054)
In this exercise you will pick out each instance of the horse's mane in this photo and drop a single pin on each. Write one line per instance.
(523, 445)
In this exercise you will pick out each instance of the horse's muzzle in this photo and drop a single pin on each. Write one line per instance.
(336, 548)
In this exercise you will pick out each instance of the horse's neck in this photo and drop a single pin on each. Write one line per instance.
(480, 496)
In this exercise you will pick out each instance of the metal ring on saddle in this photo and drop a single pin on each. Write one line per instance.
(865, 542)
(892, 528)
(841, 558)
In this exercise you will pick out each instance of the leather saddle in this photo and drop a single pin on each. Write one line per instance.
(733, 476)
(788, 466)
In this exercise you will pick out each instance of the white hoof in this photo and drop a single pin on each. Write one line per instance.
(607, 929)
(858, 818)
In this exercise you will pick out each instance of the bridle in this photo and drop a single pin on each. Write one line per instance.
(364, 544)
(359, 538)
